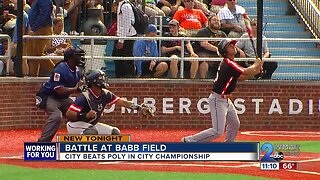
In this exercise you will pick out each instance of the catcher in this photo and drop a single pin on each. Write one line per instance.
(84, 114)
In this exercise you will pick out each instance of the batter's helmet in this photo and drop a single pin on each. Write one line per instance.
(222, 46)
(96, 77)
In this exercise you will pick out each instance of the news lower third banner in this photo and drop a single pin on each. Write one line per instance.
(146, 151)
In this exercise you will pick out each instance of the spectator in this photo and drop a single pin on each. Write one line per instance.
(148, 48)
(232, 22)
(247, 51)
(2, 52)
(7, 17)
(169, 7)
(59, 12)
(55, 93)
(7, 6)
(217, 5)
(151, 8)
(13, 45)
(40, 17)
(58, 45)
(199, 4)
(209, 48)
(73, 8)
(190, 19)
(173, 49)
(96, 4)
(123, 48)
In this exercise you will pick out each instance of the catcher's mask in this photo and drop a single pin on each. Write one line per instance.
(97, 78)
(222, 46)
(77, 53)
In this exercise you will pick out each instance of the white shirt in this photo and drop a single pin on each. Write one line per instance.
(125, 19)
(225, 13)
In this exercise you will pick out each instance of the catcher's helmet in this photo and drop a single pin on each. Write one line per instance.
(222, 46)
(76, 52)
(96, 77)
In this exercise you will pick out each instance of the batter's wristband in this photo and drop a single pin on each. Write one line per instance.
(82, 116)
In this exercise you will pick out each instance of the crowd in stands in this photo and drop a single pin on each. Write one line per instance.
(188, 18)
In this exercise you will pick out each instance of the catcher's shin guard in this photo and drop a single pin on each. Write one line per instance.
(115, 131)
(91, 130)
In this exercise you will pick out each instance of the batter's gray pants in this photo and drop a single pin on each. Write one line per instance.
(223, 113)
(55, 109)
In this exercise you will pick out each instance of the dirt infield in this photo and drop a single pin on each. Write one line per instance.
(11, 151)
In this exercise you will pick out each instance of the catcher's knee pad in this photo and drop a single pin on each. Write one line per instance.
(91, 130)
(115, 131)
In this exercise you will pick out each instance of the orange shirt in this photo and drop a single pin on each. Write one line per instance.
(190, 19)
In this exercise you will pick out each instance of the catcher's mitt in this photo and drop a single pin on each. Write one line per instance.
(146, 110)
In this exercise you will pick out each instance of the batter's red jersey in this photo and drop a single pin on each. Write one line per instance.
(227, 76)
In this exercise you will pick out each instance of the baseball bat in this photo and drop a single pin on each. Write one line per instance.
(247, 22)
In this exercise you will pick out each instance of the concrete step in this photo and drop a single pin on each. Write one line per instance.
(284, 34)
(297, 72)
(296, 76)
(310, 52)
(277, 19)
(278, 44)
(283, 27)
(267, 10)
(265, 1)
(248, 4)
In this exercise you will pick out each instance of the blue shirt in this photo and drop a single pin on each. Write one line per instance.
(62, 76)
(40, 14)
(25, 26)
(144, 48)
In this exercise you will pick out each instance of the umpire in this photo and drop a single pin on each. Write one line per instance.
(54, 95)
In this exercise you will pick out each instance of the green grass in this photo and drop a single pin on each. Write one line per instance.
(9, 172)
(305, 146)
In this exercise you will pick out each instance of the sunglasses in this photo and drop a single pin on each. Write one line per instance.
(172, 25)
(231, 0)
(188, 0)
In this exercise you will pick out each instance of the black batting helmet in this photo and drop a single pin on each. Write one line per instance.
(222, 46)
(96, 77)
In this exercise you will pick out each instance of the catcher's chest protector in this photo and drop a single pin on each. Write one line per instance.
(96, 104)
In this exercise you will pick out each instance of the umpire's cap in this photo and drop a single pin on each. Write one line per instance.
(223, 45)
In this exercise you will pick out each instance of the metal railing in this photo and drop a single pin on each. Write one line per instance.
(310, 14)
(92, 57)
